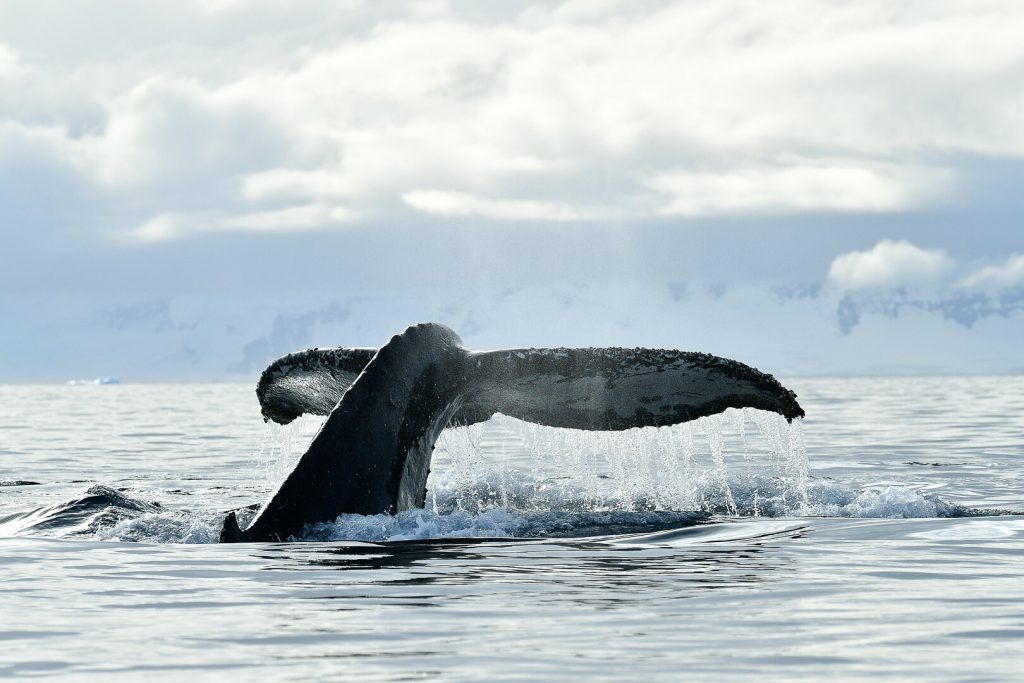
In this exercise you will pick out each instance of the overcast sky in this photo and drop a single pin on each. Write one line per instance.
(189, 189)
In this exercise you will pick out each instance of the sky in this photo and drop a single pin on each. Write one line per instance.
(191, 188)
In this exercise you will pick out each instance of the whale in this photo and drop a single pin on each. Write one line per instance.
(386, 407)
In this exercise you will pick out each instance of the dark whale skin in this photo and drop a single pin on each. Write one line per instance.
(373, 454)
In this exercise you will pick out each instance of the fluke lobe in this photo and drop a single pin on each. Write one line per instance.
(387, 407)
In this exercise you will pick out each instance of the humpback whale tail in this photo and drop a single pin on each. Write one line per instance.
(387, 407)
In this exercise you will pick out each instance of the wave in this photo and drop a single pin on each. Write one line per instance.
(98, 508)
(525, 508)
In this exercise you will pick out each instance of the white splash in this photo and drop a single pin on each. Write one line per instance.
(506, 478)
(687, 467)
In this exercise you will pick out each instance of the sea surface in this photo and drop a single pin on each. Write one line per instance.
(881, 538)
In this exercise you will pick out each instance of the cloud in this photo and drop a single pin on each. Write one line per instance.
(459, 205)
(33, 158)
(290, 219)
(894, 278)
(301, 218)
(177, 134)
(667, 142)
(8, 60)
(160, 228)
(889, 265)
(287, 183)
(550, 111)
(797, 187)
(1004, 276)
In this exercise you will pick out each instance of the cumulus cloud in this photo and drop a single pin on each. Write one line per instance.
(889, 265)
(894, 278)
(564, 111)
(179, 136)
(1003, 276)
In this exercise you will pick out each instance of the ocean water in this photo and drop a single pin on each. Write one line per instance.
(881, 538)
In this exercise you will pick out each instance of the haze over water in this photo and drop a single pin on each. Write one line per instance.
(542, 553)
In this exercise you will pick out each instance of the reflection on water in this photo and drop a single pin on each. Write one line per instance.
(688, 559)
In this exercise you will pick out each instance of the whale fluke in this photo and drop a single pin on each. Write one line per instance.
(595, 388)
(309, 382)
(388, 406)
